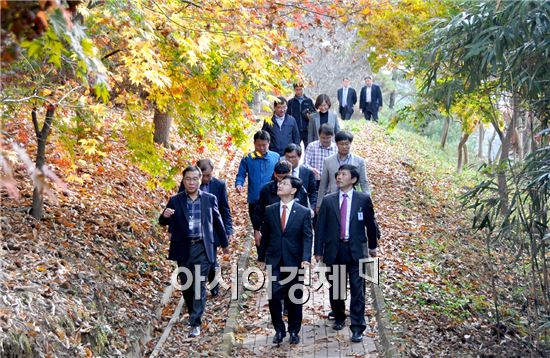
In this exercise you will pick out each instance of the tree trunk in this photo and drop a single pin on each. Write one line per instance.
(392, 99)
(481, 139)
(462, 152)
(162, 122)
(504, 156)
(465, 158)
(445, 131)
(490, 149)
(41, 138)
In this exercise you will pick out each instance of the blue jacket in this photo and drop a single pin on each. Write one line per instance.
(259, 170)
(282, 136)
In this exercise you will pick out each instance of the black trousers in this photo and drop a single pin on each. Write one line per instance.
(303, 137)
(195, 294)
(369, 113)
(345, 113)
(251, 209)
(281, 292)
(213, 266)
(357, 290)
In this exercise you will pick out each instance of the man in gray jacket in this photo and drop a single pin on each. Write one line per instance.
(343, 156)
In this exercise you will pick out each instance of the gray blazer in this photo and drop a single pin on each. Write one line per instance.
(328, 179)
(315, 124)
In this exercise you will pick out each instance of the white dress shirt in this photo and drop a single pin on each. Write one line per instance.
(296, 172)
(288, 209)
(348, 209)
(369, 90)
(344, 96)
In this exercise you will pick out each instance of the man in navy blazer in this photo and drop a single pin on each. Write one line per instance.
(347, 97)
(346, 223)
(193, 220)
(283, 128)
(217, 187)
(286, 243)
(370, 99)
(293, 153)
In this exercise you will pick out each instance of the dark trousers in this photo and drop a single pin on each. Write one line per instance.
(346, 112)
(213, 266)
(317, 183)
(369, 113)
(195, 294)
(357, 290)
(281, 292)
(251, 210)
(303, 137)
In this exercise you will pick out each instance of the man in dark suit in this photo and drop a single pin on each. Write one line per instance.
(339, 241)
(300, 107)
(269, 195)
(283, 128)
(347, 97)
(286, 243)
(293, 153)
(193, 217)
(217, 187)
(370, 99)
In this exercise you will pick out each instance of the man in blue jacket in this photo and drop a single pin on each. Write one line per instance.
(193, 217)
(283, 128)
(258, 166)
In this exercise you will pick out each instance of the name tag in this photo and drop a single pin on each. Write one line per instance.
(360, 216)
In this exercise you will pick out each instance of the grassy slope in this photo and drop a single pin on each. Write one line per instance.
(434, 278)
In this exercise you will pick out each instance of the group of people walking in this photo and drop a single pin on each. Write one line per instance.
(317, 205)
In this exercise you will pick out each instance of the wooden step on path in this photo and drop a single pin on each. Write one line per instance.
(317, 338)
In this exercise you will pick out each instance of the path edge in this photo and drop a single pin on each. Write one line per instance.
(386, 339)
(228, 338)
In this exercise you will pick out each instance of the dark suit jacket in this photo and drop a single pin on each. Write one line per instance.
(218, 188)
(375, 99)
(268, 196)
(178, 225)
(299, 111)
(327, 232)
(282, 136)
(288, 248)
(309, 183)
(351, 100)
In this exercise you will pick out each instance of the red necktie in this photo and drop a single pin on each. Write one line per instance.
(343, 216)
(283, 218)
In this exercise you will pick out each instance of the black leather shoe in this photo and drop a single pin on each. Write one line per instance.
(356, 337)
(338, 326)
(278, 337)
(331, 316)
(294, 338)
(195, 331)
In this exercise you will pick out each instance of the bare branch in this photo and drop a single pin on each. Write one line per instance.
(35, 122)
(67, 94)
(24, 99)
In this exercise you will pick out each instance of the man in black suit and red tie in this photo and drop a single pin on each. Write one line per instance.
(286, 243)
(193, 219)
(347, 97)
(346, 223)
(370, 100)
